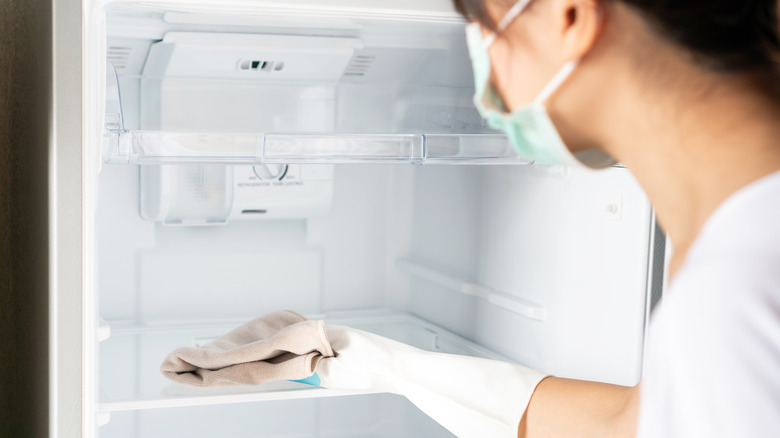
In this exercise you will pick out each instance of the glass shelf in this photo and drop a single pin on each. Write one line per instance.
(130, 378)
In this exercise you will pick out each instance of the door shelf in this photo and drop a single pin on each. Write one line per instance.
(129, 361)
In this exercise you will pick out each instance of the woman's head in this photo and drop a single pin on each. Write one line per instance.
(722, 35)
(686, 93)
(635, 57)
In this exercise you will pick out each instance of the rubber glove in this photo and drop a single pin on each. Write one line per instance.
(471, 397)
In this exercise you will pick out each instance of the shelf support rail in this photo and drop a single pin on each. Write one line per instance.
(504, 300)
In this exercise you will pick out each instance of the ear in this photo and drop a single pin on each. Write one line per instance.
(578, 24)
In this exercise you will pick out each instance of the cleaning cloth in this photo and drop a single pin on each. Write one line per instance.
(278, 346)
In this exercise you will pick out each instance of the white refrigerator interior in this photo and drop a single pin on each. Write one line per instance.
(259, 156)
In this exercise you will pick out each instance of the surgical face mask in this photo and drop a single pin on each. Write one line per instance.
(529, 127)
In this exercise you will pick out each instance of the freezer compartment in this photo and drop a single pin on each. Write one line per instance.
(185, 87)
(363, 416)
(130, 359)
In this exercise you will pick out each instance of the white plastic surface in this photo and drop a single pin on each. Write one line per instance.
(536, 233)
(189, 195)
(453, 282)
(359, 416)
(104, 330)
(539, 234)
(131, 380)
(140, 147)
(408, 9)
(267, 58)
(216, 89)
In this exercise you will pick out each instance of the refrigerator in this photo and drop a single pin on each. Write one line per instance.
(214, 161)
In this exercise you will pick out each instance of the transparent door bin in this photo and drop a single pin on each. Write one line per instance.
(131, 380)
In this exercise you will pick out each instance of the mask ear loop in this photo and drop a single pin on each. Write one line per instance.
(513, 12)
(564, 73)
(510, 16)
(556, 81)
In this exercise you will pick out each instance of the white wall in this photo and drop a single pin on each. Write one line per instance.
(153, 273)
(543, 236)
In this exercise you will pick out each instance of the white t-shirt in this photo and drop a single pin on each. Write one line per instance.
(713, 355)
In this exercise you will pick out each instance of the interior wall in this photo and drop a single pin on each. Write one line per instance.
(527, 232)
(155, 273)
(543, 235)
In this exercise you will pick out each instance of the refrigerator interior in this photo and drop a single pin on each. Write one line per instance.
(224, 196)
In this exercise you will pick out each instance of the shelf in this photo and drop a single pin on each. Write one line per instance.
(366, 416)
(141, 147)
(131, 380)
(440, 127)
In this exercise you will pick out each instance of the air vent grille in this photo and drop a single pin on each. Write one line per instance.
(359, 65)
(118, 56)
(260, 65)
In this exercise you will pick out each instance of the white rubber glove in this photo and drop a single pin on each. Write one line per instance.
(469, 396)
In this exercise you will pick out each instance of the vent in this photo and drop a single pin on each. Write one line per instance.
(118, 56)
(260, 65)
(359, 65)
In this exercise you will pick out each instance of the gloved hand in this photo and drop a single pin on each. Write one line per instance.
(469, 396)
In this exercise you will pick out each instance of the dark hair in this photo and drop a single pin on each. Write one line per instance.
(722, 35)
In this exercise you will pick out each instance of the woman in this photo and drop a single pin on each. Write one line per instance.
(686, 94)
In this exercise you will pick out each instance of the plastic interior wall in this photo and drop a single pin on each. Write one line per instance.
(570, 246)
(243, 153)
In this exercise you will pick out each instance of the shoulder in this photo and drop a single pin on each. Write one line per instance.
(734, 266)
(729, 295)
(713, 353)
(714, 350)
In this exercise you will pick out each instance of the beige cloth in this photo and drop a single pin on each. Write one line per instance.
(278, 346)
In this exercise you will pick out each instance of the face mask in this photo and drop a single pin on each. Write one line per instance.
(529, 128)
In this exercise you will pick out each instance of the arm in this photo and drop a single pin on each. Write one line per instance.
(574, 408)
(471, 397)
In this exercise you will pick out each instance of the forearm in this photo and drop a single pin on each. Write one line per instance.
(574, 408)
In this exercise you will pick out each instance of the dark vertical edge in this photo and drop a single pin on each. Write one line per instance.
(25, 127)
(655, 274)
(657, 266)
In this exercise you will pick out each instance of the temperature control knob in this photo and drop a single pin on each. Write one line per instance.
(270, 171)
